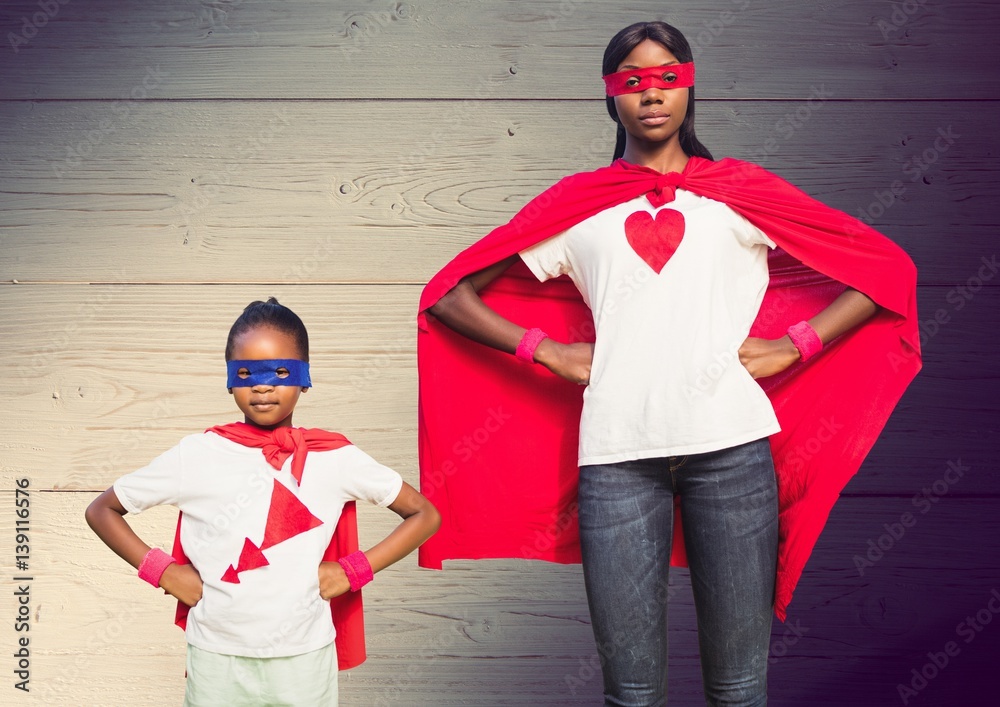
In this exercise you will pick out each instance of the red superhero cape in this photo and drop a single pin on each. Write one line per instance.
(277, 445)
(498, 439)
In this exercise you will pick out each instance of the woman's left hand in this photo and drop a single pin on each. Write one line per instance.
(333, 580)
(766, 357)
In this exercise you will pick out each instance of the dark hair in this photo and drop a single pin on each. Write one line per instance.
(273, 315)
(621, 45)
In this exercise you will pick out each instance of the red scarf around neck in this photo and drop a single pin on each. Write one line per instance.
(277, 445)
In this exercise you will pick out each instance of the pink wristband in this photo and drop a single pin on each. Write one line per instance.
(357, 568)
(153, 564)
(529, 342)
(806, 340)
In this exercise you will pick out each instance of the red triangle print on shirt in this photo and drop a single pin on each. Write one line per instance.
(286, 518)
(655, 241)
(251, 558)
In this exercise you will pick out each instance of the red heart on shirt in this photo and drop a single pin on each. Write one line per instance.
(655, 241)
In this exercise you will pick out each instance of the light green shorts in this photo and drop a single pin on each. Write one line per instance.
(306, 680)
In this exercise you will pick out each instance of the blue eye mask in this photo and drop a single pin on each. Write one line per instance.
(266, 372)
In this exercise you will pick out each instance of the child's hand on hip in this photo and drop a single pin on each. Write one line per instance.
(183, 583)
(333, 580)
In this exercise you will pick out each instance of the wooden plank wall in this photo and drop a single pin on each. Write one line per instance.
(163, 163)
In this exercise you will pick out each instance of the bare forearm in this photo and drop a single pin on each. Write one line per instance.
(403, 540)
(105, 516)
(766, 357)
(420, 521)
(463, 310)
(850, 309)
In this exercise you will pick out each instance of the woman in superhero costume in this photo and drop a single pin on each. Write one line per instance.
(738, 345)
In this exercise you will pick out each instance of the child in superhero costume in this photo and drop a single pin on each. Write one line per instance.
(265, 566)
(738, 346)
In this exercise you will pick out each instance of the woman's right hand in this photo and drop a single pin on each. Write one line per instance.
(569, 361)
(464, 311)
(182, 582)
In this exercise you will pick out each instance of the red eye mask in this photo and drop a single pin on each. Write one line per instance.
(636, 80)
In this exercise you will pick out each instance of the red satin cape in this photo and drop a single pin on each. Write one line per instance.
(498, 439)
(277, 445)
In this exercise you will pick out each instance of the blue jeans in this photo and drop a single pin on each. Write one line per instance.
(729, 506)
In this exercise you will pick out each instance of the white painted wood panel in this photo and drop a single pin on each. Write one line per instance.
(496, 49)
(209, 191)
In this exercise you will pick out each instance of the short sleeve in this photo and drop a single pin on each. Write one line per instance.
(549, 258)
(364, 479)
(155, 484)
(753, 235)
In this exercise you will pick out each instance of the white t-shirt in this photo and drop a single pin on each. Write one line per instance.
(666, 379)
(224, 490)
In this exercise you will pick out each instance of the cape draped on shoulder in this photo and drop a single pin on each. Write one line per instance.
(498, 439)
